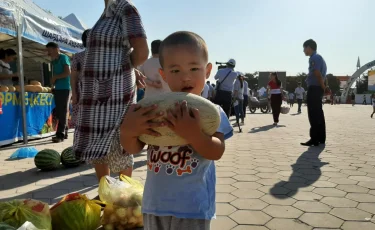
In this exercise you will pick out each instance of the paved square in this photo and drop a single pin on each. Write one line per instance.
(265, 179)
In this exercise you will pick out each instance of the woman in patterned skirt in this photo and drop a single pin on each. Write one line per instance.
(77, 63)
(115, 44)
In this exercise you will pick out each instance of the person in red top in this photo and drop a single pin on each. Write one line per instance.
(275, 94)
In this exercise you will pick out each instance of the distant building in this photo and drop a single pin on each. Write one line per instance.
(343, 81)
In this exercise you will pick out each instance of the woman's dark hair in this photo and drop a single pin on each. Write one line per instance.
(241, 80)
(84, 37)
(7, 53)
(278, 82)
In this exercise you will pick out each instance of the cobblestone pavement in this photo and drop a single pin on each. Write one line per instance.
(265, 180)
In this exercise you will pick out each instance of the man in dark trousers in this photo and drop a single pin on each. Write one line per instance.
(316, 88)
(61, 80)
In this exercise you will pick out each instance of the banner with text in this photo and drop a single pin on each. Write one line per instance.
(39, 107)
(371, 80)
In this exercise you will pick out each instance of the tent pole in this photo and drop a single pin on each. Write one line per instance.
(22, 81)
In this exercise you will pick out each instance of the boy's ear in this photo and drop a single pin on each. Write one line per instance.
(208, 70)
(162, 74)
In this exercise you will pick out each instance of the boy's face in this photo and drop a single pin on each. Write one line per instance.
(185, 69)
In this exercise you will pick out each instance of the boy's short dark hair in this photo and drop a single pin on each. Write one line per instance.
(155, 46)
(183, 38)
(52, 45)
(310, 43)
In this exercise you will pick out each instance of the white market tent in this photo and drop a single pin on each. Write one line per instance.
(26, 27)
(72, 19)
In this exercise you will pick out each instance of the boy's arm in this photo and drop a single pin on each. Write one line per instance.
(209, 147)
(131, 144)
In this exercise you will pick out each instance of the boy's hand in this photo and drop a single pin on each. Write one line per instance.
(183, 123)
(137, 121)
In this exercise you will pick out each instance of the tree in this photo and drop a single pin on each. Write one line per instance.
(333, 83)
(362, 84)
(252, 80)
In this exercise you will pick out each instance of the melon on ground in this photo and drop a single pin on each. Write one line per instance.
(209, 117)
(68, 158)
(47, 160)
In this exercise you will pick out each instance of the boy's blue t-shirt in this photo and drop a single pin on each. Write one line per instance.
(58, 68)
(180, 182)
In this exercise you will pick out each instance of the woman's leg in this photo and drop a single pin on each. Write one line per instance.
(240, 108)
(237, 112)
(274, 109)
(127, 172)
(373, 112)
(101, 170)
(279, 103)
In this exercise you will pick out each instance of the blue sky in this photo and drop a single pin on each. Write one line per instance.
(260, 34)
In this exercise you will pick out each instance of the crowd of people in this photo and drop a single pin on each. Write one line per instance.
(105, 81)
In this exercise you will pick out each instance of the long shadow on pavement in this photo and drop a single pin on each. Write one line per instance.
(265, 128)
(306, 171)
(49, 191)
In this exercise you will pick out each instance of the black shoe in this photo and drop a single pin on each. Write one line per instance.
(57, 139)
(322, 142)
(66, 136)
(310, 143)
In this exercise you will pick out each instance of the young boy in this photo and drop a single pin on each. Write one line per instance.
(180, 186)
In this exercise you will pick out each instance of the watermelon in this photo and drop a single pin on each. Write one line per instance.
(209, 116)
(68, 158)
(47, 159)
(4, 226)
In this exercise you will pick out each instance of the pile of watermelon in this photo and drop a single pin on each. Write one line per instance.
(49, 159)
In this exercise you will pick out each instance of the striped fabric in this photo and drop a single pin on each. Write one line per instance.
(107, 82)
(78, 60)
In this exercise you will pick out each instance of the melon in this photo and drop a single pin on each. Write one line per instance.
(68, 158)
(47, 159)
(18, 88)
(29, 88)
(11, 88)
(38, 89)
(45, 90)
(209, 117)
(4, 88)
(35, 83)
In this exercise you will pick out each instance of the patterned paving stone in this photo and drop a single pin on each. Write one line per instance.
(246, 178)
(360, 197)
(339, 202)
(245, 172)
(362, 178)
(247, 193)
(352, 188)
(312, 206)
(331, 192)
(225, 188)
(249, 227)
(249, 204)
(279, 211)
(223, 222)
(225, 181)
(223, 209)
(250, 217)
(224, 197)
(225, 174)
(287, 224)
(267, 170)
(248, 185)
(279, 200)
(322, 220)
(350, 214)
(342, 181)
(305, 196)
(274, 190)
(370, 185)
(348, 225)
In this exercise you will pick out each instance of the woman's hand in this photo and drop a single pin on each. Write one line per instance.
(140, 79)
(185, 122)
(138, 121)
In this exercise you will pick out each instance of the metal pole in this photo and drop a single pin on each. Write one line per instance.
(22, 81)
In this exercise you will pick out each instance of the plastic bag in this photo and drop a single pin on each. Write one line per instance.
(76, 211)
(285, 108)
(28, 226)
(17, 212)
(26, 152)
(123, 200)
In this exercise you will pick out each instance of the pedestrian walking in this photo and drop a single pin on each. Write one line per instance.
(245, 95)
(316, 89)
(353, 99)
(238, 98)
(224, 87)
(275, 95)
(291, 99)
(300, 92)
(373, 104)
(364, 100)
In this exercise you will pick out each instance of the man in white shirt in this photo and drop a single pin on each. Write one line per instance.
(300, 92)
(154, 83)
(205, 92)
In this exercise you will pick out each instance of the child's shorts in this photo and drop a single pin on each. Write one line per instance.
(152, 222)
